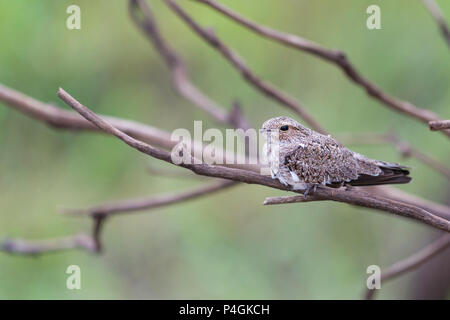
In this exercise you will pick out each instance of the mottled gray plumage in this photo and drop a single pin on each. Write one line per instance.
(303, 158)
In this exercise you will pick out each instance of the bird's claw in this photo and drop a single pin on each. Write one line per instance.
(309, 188)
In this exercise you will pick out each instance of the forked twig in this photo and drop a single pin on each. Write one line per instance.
(152, 202)
(99, 214)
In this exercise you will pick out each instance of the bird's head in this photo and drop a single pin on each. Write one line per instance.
(285, 127)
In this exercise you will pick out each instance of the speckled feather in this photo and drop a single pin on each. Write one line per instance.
(308, 158)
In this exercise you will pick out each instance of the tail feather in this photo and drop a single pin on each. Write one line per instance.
(392, 173)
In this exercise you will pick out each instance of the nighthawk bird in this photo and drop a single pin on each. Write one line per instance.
(305, 159)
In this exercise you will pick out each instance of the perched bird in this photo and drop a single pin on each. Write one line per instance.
(305, 159)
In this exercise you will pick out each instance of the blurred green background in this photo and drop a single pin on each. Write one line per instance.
(226, 245)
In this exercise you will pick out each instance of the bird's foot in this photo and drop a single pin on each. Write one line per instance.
(309, 188)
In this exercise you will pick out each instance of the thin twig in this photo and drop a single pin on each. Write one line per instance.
(412, 262)
(395, 194)
(439, 125)
(36, 247)
(63, 119)
(99, 214)
(435, 11)
(405, 149)
(384, 191)
(334, 56)
(235, 60)
(142, 16)
(97, 226)
(152, 202)
(351, 197)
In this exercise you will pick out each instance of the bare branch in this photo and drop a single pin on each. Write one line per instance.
(97, 227)
(395, 194)
(412, 262)
(439, 125)
(404, 148)
(289, 199)
(435, 11)
(235, 60)
(334, 56)
(59, 118)
(142, 16)
(36, 247)
(152, 202)
(99, 214)
(352, 197)
(70, 120)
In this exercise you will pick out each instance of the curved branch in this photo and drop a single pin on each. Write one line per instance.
(142, 16)
(231, 56)
(395, 194)
(436, 13)
(99, 214)
(351, 197)
(133, 205)
(403, 147)
(334, 56)
(58, 118)
(412, 262)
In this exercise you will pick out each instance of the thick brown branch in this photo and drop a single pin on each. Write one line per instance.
(395, 194)
(386, 192)
(334, 56)
(435, 11)
(412, 262)
(439, 125)
(351, 197)
(231, 56)
(142, 16)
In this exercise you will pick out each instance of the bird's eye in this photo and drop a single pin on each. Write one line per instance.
(284, 128)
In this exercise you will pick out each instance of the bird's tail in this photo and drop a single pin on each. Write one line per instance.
(392, 173)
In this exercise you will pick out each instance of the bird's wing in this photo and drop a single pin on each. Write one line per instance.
(322, 162)
(390, 173)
